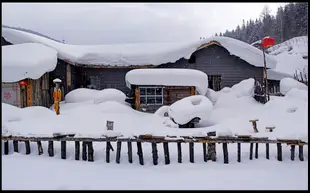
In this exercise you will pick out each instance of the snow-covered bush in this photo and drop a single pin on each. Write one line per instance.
(162, 111)
(110, 94)
(288, 83)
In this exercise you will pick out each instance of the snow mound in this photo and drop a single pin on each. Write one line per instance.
(295, 93)
(11, 113)
(188, 108)
(244, 88)
(81, 95)
(162, 111)
(168, 77)
(139, 54)
(288, 83)
(110, 94)
(29, 60)
(37, 111)
(213, 95)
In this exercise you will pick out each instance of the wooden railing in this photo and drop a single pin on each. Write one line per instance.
(208, 144)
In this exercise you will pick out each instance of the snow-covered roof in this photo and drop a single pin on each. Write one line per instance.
(29, 60)
(138, 54)
(168, 77)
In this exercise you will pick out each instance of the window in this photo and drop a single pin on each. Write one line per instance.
(94, 82)
(215, 82)
(151, 95)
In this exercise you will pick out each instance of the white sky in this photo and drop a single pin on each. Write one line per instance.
(102, 23)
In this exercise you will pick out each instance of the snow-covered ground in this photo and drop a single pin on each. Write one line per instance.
(231, 112)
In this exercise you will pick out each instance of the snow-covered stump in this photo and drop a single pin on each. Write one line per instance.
(239, 152)
(90, 151)
(254, 124)
(40, 148)
(279, 151)
(204, 149)
(292, 152)
(256, 150)
(50, 148)
(225, 153)
(27, 147)
(191, 152)
(129, 146)
(63, 153)
(154, 153)
(77, 150)
(267, 150)
(251, 151)
(166, 152)
(84, 153)
(118, 151)
(179, 146)
(6, 147)
(301, 152)
(15, 146)
(211, 148)
(140, 153)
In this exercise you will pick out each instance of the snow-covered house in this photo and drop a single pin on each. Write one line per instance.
(153, 88)
(25, 77)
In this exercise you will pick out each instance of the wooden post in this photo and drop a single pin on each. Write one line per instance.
(256, 150)
(129, 145)
(191, 152)
(140, 153)
(239, 152)
(27, 146)
(15, 146)
(6, 147)
(204, 149)
(154, 153)
(179, 152)
(40, 148)
(107, 151)
(225, 152)
(63, 149)
(301, 152)
(292, 152)
(90, 151)
(251, 151)
(279, 148)
(84, 154)
(50, 148)
(211, 148)
(77, 150)
(166, 152)
(267, 150)
(118, 151)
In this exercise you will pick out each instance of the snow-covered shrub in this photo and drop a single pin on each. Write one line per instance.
(110, 94)
(288, 83)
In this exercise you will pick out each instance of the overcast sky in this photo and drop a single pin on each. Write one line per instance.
(102, 23)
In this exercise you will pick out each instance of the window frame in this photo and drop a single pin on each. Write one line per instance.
(155, 95)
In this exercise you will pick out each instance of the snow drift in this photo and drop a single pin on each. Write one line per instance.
(288, 83)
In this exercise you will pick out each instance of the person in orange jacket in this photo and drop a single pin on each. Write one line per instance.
(57, 95)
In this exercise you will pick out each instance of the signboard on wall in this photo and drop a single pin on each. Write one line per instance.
(11, 94)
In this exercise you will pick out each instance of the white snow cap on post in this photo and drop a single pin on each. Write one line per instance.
(57, 80)
(168, 77)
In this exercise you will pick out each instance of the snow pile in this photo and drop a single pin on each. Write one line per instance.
(138, 54)
(294, 46)
(288, 83)
(212, 95)
(11, 113)
(168, 77)
(27, 60)
(244, 88)
(162, 111)
(298, 94)
(84, 95)
(189, 108)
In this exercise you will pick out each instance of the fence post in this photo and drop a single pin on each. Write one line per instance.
(225, 152)
(279, 152)
(191, 152)
(118, 151)
(90, 151)
(27, 146)
(129, 145)
(301, 152)
(239, 151)
(256, 150)
(77, 150)
(211, 148)
(292, 152)
(166, 152)
(40, 149)
(63, 149)
(107, 151)
(6, 147)
(15, 146)
(84, 154)
(140, 152)
(267, 150)
(50, 148)
(154, 153)
(204, 149)
(251, 151)
(179, 145)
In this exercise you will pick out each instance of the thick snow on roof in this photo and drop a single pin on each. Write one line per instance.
(29, 60)
(168, 77)
(138, 54)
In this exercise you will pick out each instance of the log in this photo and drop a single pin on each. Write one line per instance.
(256, 150)
(211, 148)
(179, 145)
(50, 148)
(27, 146)
(129, 145)
(279, 151)
(225, 152)
(239, 152)
(90, 151)
(267, 150)
(204, 149)
(40, 148)
(301, 152)
(77, 150)
(292, 152)
(6, 147)
(15, 146)
(63, 147)
(84, 151)
(251, 151)
(140, 153)
(118, 151)
(166, 152)
(107, 151)
(191, 152)
(154, 153)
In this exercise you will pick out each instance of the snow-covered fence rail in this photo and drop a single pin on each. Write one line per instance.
(208, 144)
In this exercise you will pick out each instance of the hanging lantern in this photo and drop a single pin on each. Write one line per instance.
(267, 42)
(23, 83)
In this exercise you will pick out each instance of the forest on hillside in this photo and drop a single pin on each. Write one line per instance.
(291, 20)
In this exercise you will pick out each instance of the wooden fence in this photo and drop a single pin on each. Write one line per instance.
(208, 143)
